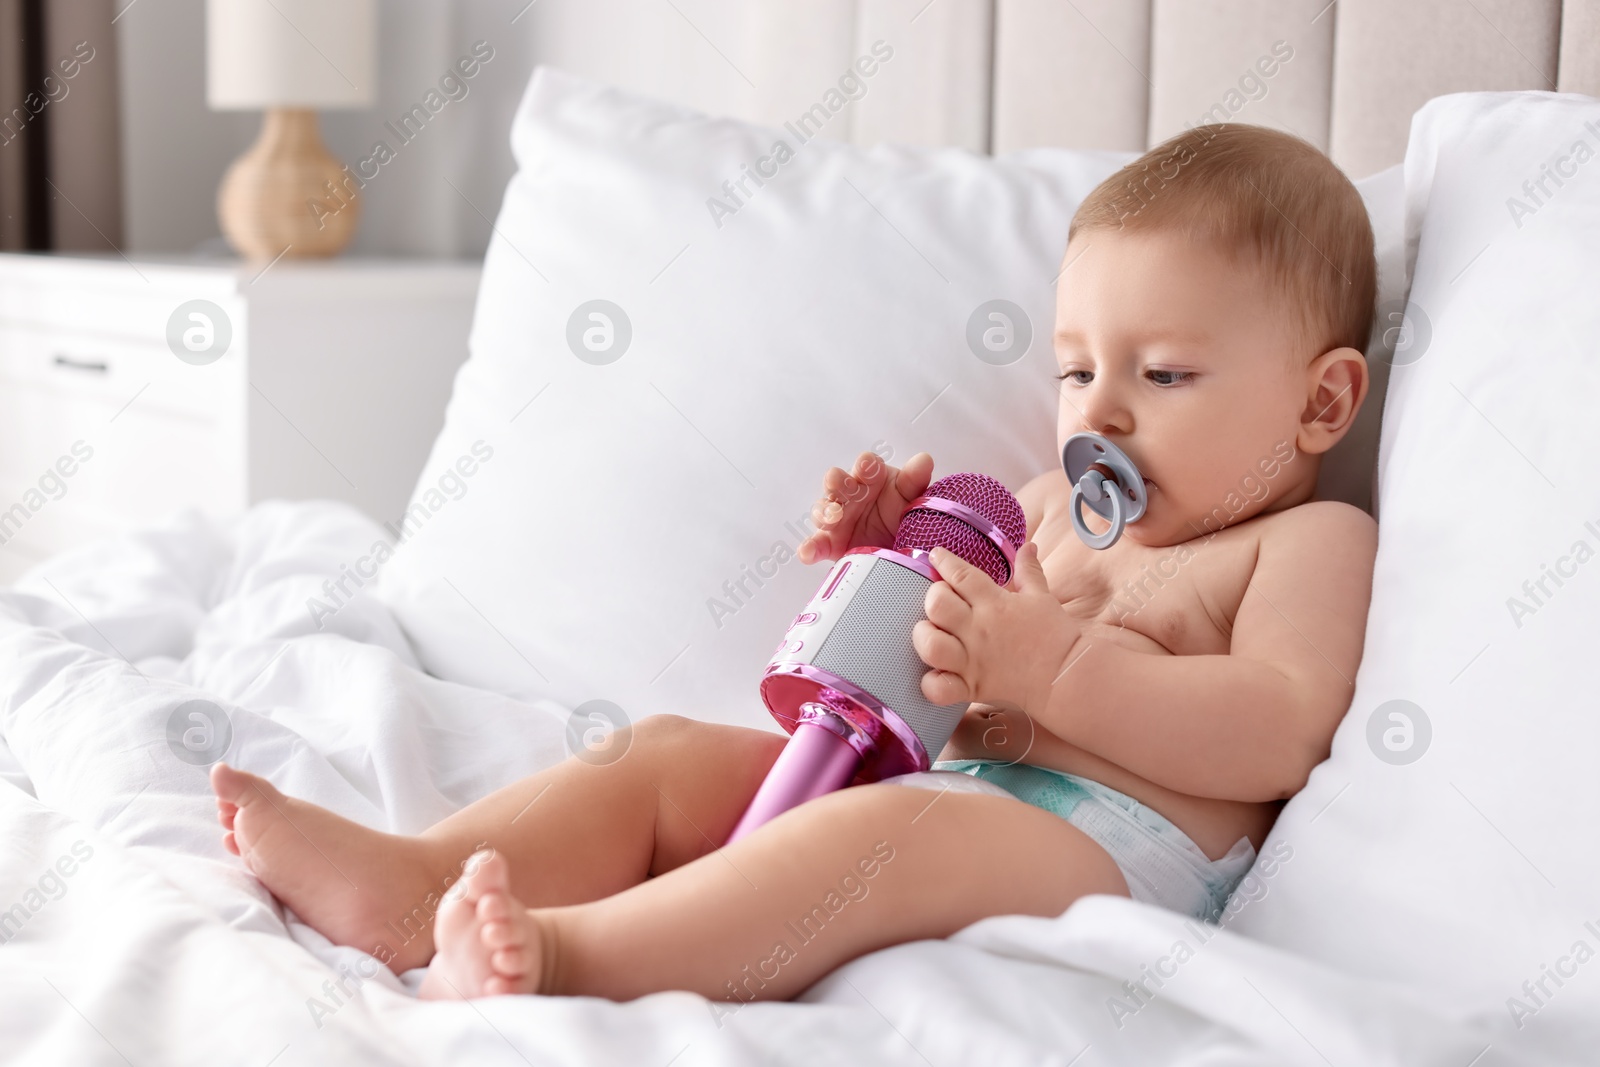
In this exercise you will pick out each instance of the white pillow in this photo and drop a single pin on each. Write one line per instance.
(825, 316)
(1454, 846)
(597, 553)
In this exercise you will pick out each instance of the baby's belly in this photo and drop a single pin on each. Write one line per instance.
(988, 732)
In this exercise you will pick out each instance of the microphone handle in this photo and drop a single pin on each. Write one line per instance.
(815, 761)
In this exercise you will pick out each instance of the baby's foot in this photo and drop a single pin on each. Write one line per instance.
(354, 885)
(488, 943)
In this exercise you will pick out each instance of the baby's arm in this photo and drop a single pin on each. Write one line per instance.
(1249, 725)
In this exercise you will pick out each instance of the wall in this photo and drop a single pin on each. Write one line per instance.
(438, 194)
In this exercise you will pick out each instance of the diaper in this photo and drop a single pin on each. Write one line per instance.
(1161, 865)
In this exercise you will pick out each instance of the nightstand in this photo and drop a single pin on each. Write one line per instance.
(130, 389)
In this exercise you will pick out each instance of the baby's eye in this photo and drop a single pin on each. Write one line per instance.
(1073, 374)
(1169, 377)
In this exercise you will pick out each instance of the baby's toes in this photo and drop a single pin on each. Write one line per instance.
(497, 986)
(501, 934)
(510, 962)
(494, 906)
(460, 967)
(498, 930)
(482, 932)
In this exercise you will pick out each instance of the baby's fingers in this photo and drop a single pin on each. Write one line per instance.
(857, 486)
(944, 688)
(838, 512)
(913, 479)
(845, 496)
(825, 515)
(814, 548)
(939, 649)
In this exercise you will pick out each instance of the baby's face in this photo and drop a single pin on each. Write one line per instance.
(1187, 362)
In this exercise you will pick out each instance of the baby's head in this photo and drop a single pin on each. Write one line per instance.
(1215, 300)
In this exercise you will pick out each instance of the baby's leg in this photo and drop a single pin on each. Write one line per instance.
(583, 830)
(575, 832)
(845, 874)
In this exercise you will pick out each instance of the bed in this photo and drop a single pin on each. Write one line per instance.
(1431, 897)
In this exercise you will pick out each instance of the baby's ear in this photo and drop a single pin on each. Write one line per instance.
(1336, 384)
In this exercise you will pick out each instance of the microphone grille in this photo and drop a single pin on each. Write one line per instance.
(923, 528)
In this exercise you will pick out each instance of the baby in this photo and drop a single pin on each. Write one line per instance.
(1140, 714)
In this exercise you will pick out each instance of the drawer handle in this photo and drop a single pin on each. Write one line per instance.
(98, 366)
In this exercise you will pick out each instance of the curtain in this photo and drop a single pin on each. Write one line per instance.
(60, 152)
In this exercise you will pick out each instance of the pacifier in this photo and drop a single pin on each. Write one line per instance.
(1105, 478)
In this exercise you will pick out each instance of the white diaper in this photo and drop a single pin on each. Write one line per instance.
(1161, 865)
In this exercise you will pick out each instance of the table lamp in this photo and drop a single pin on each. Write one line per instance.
(287, 195)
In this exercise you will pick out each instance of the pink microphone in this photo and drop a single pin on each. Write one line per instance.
(845, 681)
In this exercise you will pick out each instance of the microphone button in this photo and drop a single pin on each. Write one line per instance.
(793, 646)
(805, 617)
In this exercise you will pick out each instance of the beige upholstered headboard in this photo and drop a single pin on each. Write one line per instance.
(995, 75)
(1344, 75)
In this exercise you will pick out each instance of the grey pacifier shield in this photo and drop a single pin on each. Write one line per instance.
(1119, 499)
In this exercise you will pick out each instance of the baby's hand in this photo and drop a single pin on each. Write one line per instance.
(993, 644)
(863, 507)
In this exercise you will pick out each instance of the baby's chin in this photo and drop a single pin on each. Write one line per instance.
(1154, 537)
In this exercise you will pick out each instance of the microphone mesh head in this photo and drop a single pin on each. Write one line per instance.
(924, 528)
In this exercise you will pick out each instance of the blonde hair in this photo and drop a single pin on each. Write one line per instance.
(1257, 192)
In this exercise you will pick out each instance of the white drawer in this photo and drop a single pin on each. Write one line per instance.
(109, 298)
(112, 371)
(351, 363)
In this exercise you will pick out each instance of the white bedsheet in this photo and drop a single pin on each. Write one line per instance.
(161, 949)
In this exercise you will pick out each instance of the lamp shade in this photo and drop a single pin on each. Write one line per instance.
(290, 53)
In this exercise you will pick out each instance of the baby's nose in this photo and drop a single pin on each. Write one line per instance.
(1114, 424)
(1103, 413)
